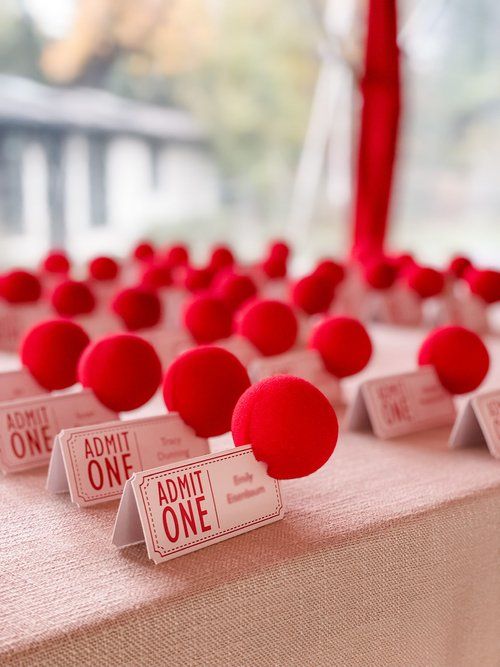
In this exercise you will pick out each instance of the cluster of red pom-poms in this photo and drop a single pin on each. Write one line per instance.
(203, 385)
(459, 357)
(51, 351)
(290, 424)
(123, 371)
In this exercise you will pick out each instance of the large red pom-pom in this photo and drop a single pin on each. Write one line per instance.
(459, 265)
(484, 284)
(343, 344)
(104, 268)
(198, 279)
(157, 276)
(144, 251)
(313, 294)
(57, 262)
(123, 371)
(203, 385)
(426, 282)
(177, 255)
(221, 258)
(208, 319)
(271, 326)
(71, 298)
(459, 356)
(51, 351)
(235, 289)
(138, 307)
(289, 423)
(332, 270)
(20, 286)
(380, 273)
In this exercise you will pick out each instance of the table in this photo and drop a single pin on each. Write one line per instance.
(390, 555)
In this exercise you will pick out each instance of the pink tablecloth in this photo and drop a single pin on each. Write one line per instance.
(388, 556)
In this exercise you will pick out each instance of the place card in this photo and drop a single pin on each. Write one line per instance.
(306, 364)
(177, 509)
(28, 426)
(18, 384)
(100, 324)
(93, 463)
(16, 320)
(399, 404)
(168, 343)
(240, 347)
(479, 423)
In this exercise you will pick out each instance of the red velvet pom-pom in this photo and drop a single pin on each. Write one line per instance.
(51, 351)
(332, 270)
(426, 282)
(313, 294)
(208, 319)
(177, 255)
(198, 280)
(235, 289)
(289, 423)
(274, 267)
(459, 356)
(138, 307)
(485, 284)
(104, 268)
(123, 371)
(144, 252)
(71, 298)
(380, 273)
(56, 262)
(20, 286)
(203, 385)
(459, 265)
(343, 344)
(279, 250)
(157, 276)
(271, 326)
(221, 258)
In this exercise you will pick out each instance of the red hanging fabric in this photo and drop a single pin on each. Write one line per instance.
(380, 89)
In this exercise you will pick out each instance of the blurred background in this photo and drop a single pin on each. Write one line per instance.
(229, 120)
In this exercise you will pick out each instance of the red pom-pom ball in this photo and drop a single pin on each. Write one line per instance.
(459, 356)
(221, 258)
(20, 286)
(138, 307)
(274, 267)
(144, 251)
(484, 284)
(289, 423)
(426, 282)
(279, 250)
(343, 344)
(51, 351)
(208, 319)
(380, 273)
(271, 326)
(71, 298)
(198, 280)
(313, 294)
(177, 255)
(123, 371)
(203, 385)
(104, 268)
(459, 265)
(330, 269)
(157, 276)
(235, 289)
(57, 262)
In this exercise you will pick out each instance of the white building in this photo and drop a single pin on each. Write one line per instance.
(89, 170)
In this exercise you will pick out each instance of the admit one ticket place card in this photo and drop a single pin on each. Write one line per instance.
(93, 463)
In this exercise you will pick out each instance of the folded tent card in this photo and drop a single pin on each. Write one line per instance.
(452, 361)
(283, 427)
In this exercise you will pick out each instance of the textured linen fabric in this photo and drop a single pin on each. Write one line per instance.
(389, 555)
